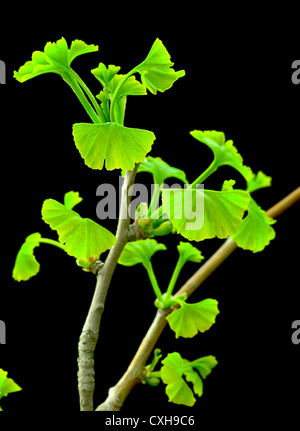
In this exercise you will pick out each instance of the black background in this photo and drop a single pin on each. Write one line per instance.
(238, 80)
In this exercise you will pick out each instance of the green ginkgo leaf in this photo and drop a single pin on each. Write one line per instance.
(188, 252)
(56, 58)
(7, 385)
(156, 70)
(258, 181)
(119, 146)
(105, 74)
(83, 238)
(255, 231)
(71, 199)
(172, 375)
(161, 170)
(187, 320)
(176, 370)
(200, 367)
(198, 214)
(26, 265)
(140, 251)
(225, 153)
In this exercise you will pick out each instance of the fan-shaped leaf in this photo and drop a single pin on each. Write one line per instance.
(26, 265)
(56, 58)
(175, 368)
(140, 251)
(119, 146)
(187, 320)
(255, 231)
(7, 385)
(225, 153)
(83, 238)
(71, 199)
(188, 252)
(198, 214)
(156, 70)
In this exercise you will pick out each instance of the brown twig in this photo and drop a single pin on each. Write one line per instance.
(89, 335)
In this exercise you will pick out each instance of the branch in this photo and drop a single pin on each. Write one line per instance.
(134, 373)
(89, 335)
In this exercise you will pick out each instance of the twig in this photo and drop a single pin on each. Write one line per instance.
(134, 373)
(89, 335)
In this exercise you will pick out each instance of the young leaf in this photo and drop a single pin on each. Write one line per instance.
(26, 265)
(71, 199)
(225, 152)
(175, 369)
(56, 58)
(104, 74)
(258, 181)
(82, 237)
(7, 385)
(187, 320)
(188, 252)
(172, 375)
(140, 251)
(131, 87)
(217, 213)
(202, 366)
(161, 170)
(119, 146)
(156, 70)
(255, 231)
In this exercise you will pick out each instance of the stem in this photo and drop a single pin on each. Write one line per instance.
(89, 335)
(114, 97)
(82, 98)
(134, 374)
(155, 197)
(51, 242)
(91, 97)
(153, 282)
(156, 374)
(174, 278)
(210, 170)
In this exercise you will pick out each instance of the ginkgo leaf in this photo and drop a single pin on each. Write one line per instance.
(71, 199)
(188, 252)
(156, 70)
(82, 237)
(171, 374)
(140, 251)
(161, 170)
(258, 181)
(198, 214)
(255, 231)
(7, 385)
(119, 146)
(56, 58)
(105, 74)
(26, 265)
(131, 87)
(175, 369)
(187, 320)
(200, 367)
(225, 153)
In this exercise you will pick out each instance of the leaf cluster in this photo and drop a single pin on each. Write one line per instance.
(194, 212)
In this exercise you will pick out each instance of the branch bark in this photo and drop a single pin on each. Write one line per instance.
(134, 373)
(89, 335)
